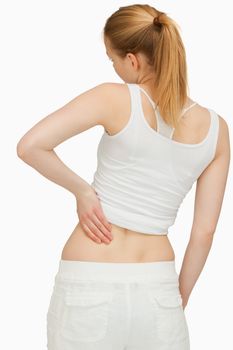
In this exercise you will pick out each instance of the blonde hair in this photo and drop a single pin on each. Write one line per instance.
(143, 28)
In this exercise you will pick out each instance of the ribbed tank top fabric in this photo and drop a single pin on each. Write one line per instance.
(143, 175)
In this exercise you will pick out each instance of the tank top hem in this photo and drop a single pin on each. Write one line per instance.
(136, 222)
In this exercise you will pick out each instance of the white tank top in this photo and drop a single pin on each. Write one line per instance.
(143, 175)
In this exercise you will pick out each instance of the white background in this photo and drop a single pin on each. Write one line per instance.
(51, 51)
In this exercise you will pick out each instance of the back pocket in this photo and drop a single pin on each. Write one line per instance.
(169, 321)
(86, 315)
(167, 300)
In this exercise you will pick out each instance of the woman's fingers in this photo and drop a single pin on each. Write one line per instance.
(101, 217)
(93, 231)
(90, 234)
(92, 218)
(102, 224)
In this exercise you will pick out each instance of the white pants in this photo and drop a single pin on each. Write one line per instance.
(116, 306)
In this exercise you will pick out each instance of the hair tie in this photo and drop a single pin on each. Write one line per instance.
(156, 20)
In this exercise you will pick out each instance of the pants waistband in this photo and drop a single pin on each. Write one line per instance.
(75, 270)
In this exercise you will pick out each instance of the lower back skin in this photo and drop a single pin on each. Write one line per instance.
(126, 246)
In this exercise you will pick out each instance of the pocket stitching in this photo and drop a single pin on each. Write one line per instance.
(166, 300)
(86, 299)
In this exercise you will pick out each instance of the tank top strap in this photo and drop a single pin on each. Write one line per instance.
(213, 130)
(166, 130)
(186, 109)
(170, 130)
(133, 92)
(154, 105)
(162, 127)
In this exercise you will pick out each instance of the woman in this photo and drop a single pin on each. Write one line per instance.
(117, 285)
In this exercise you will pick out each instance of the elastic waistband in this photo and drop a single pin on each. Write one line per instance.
(75, 270)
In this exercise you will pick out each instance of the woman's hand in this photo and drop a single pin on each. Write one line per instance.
(92, 218)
